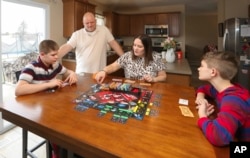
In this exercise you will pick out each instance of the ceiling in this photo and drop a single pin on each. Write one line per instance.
(192, 6)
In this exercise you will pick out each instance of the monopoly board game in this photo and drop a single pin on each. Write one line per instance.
(121, 99)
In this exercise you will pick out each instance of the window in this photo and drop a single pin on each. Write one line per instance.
(99, 19)
(22, 27)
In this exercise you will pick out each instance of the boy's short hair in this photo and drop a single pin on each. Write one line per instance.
(225, 62)
(47, 46)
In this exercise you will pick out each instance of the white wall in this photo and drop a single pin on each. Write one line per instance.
(200, 31)
(1, 70)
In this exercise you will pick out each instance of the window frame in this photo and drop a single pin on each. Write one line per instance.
(46, 8)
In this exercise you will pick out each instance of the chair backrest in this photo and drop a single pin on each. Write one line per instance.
(17, 73)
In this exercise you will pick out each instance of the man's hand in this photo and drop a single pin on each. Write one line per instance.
(100, 76)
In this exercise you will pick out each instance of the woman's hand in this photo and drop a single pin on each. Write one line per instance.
(148, 78)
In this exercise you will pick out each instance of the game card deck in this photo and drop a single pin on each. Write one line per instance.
(186, 111)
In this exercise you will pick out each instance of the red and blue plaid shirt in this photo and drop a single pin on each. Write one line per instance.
(233, 119)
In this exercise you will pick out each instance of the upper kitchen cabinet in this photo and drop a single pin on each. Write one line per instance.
(136, 25)
(149, 19)
(170, 19)
(161, 19)
(155, 19)
(73, 11)
(174, 24)
(111, 19)
(123, 25)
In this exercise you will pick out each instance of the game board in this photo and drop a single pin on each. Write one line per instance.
(121, 99)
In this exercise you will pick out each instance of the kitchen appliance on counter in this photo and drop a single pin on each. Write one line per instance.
(156, 30)
(157, 44)
(158, 34)
(120, 41)
(236, 34)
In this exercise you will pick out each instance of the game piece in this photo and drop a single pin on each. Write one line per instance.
(93, 76)
(156, 103)
(145, 84)
(81, 107)
(147, 112)
(65, 84)
(117, 80)
(186, 111)
(123, 119)
(101, 113)
(129, 81)
(154, 112)
(50, 90)
(157, 96)
(115, 118)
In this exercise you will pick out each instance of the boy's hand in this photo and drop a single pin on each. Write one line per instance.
(55, 83)
(205, 110)
(71, 79)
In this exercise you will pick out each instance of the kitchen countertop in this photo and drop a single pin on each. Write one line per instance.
(181, 67)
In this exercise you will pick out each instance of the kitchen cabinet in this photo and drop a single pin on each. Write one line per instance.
(179, 79)
(73, 11)
(110, 60)
(111, 19)
(161, 19)
(178, 72)
(123, 25)
(155, 19)
(136, 25)
(149, 19)
(131, 25)
(69, 64)
(174, 24)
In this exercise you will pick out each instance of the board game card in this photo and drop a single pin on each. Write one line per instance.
(145, 84)
(186, 111)
(183, 101)
(129, 81)
(117, 80)
(154, 112)
(65, 84)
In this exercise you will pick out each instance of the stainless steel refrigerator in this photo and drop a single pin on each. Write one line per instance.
(236, 34)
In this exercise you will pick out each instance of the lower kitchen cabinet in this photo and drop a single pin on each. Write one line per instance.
(69, 64)
(110, 60)
(178, 79)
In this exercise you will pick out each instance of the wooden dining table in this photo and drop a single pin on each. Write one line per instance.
(53, 116)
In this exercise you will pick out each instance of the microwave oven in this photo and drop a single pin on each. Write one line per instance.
(156, 30)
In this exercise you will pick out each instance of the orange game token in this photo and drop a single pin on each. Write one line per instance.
(94, 74)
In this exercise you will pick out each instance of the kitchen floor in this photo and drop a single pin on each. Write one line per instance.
(11, 141)
(11, 144)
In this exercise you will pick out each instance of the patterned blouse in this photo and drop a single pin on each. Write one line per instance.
(134, 69)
